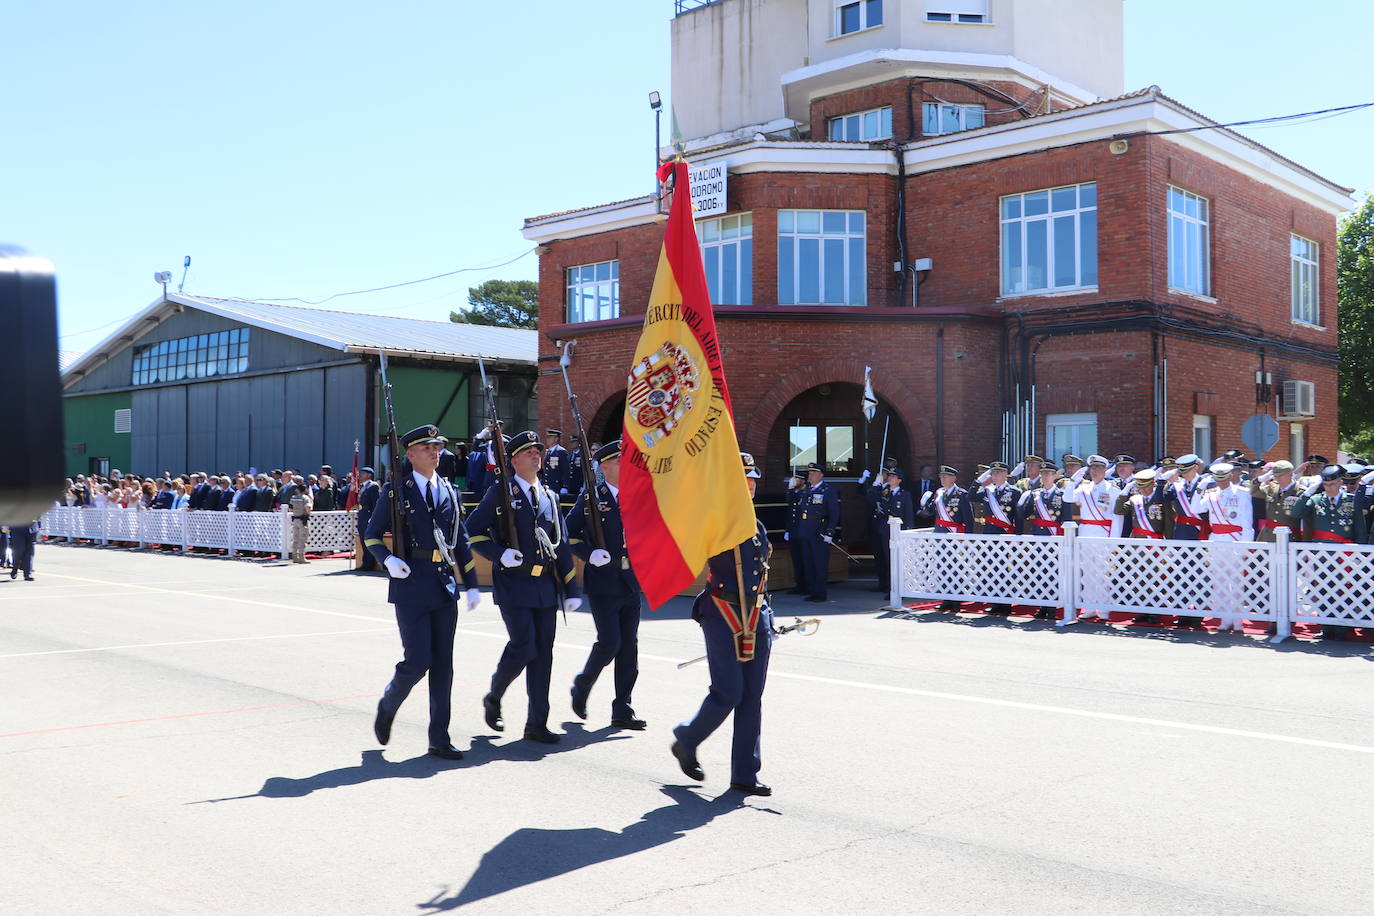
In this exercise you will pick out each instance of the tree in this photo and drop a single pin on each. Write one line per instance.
(1355, 317)
(501, 303)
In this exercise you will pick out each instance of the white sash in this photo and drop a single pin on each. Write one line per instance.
(940, 509)
(1085, 498)
(995, 506)
(1142, 518)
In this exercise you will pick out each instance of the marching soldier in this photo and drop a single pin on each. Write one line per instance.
(796, 494)
(820, 513)
(999, 500)
(554, 474)
(738, 629)
(368, 494)
(887, 500)
(953, 508)
(1042, 511)
(612, 591)
(424, 589)
(1334, 519)
(530, 579)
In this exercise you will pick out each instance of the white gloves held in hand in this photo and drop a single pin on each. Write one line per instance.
(396, 567)
(863, 478)
(827, 538)
(571, 604)
(512, 558)
(599, 557)
(472, 600)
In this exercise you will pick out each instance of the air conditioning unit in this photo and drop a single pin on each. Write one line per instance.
(1299, 400)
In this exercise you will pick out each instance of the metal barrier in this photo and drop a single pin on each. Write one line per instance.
(1281, 582)
(236, 532)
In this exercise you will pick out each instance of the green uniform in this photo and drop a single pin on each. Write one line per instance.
(1331, 517)
(1278, 509)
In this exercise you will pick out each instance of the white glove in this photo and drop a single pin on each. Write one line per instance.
(827, 538)
(926, 498)
(1018, 469)
(396, 567)
(564, 491)
(1078, 474)
(863, 478)
(1312, 490)
(1368, 478)
(1206, 481)
(473, 599)
(1169, 474)
(599, 557)
(571, 604)
(787, 535)
(984, 477)
(512, 558)
(1266, 477)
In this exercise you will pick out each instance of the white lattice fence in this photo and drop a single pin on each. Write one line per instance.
(121, 525)
(1332, 584)
(1194, 578)
(331, 532)
(258, 531)
(999, 569)
(207, 528)
(163, 526)
(56, 522)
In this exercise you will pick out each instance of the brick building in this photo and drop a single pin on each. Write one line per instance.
(958, 194)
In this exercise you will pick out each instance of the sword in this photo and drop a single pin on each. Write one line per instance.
(802, 627)
(847, 554)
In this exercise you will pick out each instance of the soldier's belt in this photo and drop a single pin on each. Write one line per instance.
(1094, 521)
(1046, 523)
(1181, 519)
(1331, 536)
(953, 526)
(1144, 532)
(743, 630)
(1008, 527)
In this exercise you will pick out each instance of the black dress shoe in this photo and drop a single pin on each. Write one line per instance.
(751, 788)
(491, 711)
(688, 761)
(541, 734)
(448, 752)
(579, 704)
(629, 722)
(381, 726)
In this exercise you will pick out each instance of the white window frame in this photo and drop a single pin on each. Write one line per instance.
(728, 238)
(854, 279)
(580, 289)
(1076, 422)
(962, 112)
(1202, 424)
(864, 7)
(1303, 269)
(1190, 268)
(880, 119)
(959, 12)
(1011, 210)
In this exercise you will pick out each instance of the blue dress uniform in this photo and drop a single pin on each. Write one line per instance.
(1181, 494)
(477, 468)
(22, 541)
(953, 509)
(529, 594)
(793, 531)
(1042, 511)
(368, 494)
(738, 658)
(554, 473)
(820, 513)
(615, 598)
(426, 601)
(887, 503)
(574, 480)
(1001, 504)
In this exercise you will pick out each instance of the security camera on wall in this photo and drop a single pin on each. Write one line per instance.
(162, 276)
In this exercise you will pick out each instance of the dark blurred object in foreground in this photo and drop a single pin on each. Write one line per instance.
(31, 462)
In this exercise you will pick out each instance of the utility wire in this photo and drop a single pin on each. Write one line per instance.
(1275, 120)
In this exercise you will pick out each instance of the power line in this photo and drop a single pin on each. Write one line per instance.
(1275, 120)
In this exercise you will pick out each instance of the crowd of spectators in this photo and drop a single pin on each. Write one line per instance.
(241, 491)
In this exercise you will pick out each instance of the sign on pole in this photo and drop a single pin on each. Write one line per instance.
(708, 190)
(1259, 432)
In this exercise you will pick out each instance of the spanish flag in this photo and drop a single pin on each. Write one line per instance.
(684, 498)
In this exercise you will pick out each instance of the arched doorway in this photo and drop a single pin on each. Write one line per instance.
(609, 422)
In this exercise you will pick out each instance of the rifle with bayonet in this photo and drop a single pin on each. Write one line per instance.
(590, 505)
(399, 543)
(498, 452)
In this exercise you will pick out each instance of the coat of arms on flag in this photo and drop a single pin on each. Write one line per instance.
(661, 389)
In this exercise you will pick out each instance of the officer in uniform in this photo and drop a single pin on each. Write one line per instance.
(953, 508)
(998, 499)
(1042, 510)
(302, 503)
(1230, 519)
(1071, 465)
(887, 500)
(1278, 492)
(1146, 513)
(820, 513)
(23, 539)
(738, 630)
(976, 505)
(554, 473)
(530, 578)
(1031, 466)
(477, 479)
(1334, 519)
(575, 475)
(368, 493)
(612, 591)
(796, 494)
(423, 588)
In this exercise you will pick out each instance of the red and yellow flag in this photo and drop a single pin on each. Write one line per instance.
(684, 495)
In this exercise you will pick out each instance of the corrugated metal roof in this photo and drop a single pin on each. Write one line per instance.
(66, 358)
(354, 331)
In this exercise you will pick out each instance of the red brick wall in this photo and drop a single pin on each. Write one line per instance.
(894, 93)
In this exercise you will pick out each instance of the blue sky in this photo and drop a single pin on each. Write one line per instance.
(302, 148)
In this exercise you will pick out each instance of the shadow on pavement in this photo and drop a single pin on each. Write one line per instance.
(530, 855)
(374, 766)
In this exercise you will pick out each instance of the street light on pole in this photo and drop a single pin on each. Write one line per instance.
(656, 105)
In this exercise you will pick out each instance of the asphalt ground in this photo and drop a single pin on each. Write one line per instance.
(193, 735)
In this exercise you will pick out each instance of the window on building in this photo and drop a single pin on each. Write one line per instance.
(1303, 261)
(727, 252)
(1297, 444)
(874, 124)
(124, 420)
(821, 257)
(594, 291)
(832, 447)
(1202, 437)
(941, 118)
(198, 356)
(1071, 434)
(856, 15)
(957, 10)
(1049, 240)
(1189, 245)
(517, 402)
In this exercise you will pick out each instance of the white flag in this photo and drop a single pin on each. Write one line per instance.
(870, 403)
